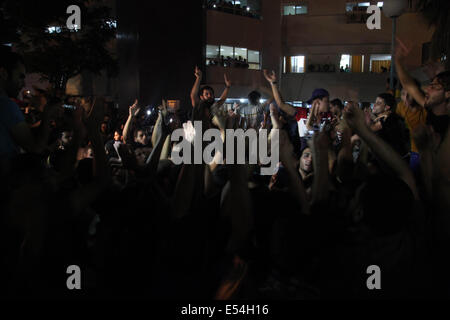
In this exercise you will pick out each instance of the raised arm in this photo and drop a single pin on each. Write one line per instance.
(133, 111)
(224, 95)
(272, 79)
(196, 87)
(297, 189)
(356, 121)
(405, 79)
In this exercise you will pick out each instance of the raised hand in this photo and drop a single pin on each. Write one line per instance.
(272, 77)
(198, 72)
(227, 82)
(355, 117)
(315, 109)
(401, 50)
(134, 109)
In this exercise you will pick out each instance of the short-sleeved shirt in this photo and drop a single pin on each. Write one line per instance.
(414, 117)
(10, 116)
(254, 113)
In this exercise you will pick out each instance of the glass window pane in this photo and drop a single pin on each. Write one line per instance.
(212, 51)
(226, 51)
(345, 61)
(254, 66)
(240, 52)
(288, 10)
(253, 56)
(363, 4)
(350, 5)
(298, 64)
(301, 10)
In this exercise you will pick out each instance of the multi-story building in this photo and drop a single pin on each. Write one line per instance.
(309, 44)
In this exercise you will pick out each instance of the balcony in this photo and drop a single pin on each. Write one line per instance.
(242, 8)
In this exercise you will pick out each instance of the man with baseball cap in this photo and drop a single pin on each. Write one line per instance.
(320, 107)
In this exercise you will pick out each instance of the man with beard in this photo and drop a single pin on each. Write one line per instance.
(14, 131)
(436, 97)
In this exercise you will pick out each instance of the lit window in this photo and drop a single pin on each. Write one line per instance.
(298, 64)
(293, 10)
(352, 63)
(226, 51)
(212, 54)
(294, 64)
(364, 4)
(240, 53)
(380, 63)
(301, 10)
(253, 56)
(212, 51)
(289, 10)
(345, 62)
(380, 4)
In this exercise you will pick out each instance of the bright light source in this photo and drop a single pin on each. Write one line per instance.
(54, 29)
(262, 100)
(171, 120)
(214, 6)
(248, 9)
(242, 100)
(149, 112)
(380, 4)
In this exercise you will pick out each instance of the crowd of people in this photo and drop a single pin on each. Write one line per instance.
(366, 186)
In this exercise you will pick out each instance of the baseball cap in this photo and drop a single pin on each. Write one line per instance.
(318, 93)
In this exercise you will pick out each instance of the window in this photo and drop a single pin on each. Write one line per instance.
(289, 10)
(226, 51)
(232, 57)
(212, 54)
(358, 6)
(293, 10)
(253, 60)
(345, 62)
(380, 63)
(240, 53)
(294, 64)
(351, 63)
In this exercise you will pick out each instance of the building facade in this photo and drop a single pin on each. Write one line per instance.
(309, 44)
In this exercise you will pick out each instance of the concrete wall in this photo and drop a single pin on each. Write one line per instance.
(347, 86)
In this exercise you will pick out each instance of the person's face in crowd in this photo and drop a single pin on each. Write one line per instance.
(13, 81)
(435, 94)
(348, 105)
(207, 95)
(379, 106)
(324, 104)
(406, 98)
(86, 104)
(66, 137)
(104, 127)
(117, 136)
(141, 137)
(89, 153)
(335, 110)
(306, 161)
(142, 155)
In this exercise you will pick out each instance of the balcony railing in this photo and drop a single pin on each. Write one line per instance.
(233, 8)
